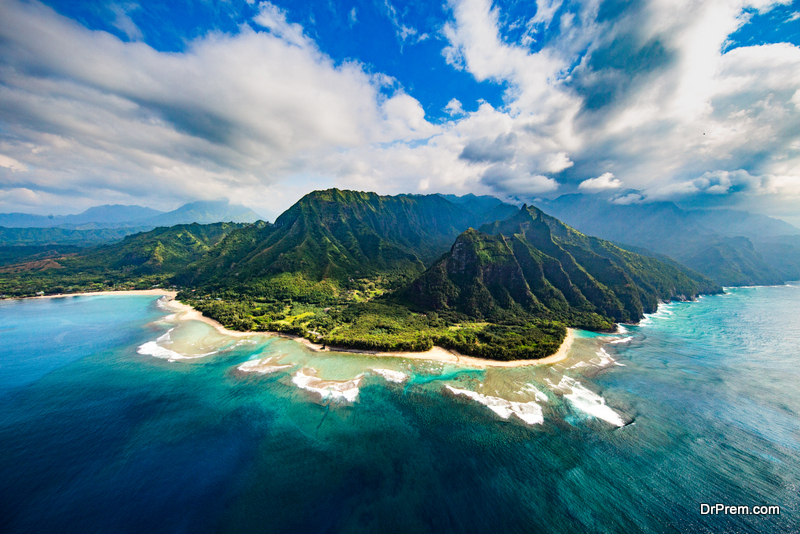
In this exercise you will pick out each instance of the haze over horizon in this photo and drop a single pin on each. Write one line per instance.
(260, 102)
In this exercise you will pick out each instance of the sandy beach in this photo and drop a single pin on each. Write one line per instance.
(187, 313)
(163, 292)
(438, 354)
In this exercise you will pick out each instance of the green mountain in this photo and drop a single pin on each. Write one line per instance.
(402, 272)
(141, 259)
(328, 240)
(532, 265)
(10, 237)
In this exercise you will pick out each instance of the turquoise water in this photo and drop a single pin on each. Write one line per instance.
(98, 435)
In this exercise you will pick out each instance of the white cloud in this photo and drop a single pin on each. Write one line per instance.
(602, 183)
(273, 18)
(123, 22)
(97, 117)
(404, 32)
(11, 163)
(630, 198)
(264, 115)
(545, 11)
(454, 108)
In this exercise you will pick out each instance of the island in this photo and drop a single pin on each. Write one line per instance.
(402, 274)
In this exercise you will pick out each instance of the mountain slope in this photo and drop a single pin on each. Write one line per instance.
(141, 259)
(333, 237)
(532, 265)
(65, 236)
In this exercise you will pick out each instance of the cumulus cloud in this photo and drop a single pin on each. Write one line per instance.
(603, 182)
(97, 116)
(454, 107)
(648, 91)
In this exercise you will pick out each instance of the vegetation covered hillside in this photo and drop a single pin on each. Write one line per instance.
(331, 242)
(140, 260)
(534, 266)
(359, 270)
(506, 292)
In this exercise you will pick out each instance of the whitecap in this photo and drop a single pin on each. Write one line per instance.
(530, 388)
(152, 348)
(391, 376)
(334, 389)
(586, 400)
(528, 412)
(262, 366)
(579, 365)
(623, 340)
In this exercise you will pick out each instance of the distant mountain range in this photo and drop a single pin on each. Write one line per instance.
(731, 247)
(119, 216)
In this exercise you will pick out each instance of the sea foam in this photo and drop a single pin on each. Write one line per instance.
(623, 340)
(152, 348)
(337, 390)
(530, 388)
(391, 376)
(604, 358)
(263, 366)
(527, 412)
(586, 400)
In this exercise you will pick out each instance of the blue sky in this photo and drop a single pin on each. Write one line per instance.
(160, 103)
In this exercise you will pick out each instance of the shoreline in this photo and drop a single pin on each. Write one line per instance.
(188, 313)
(440, 354)
(162, 292)
(436, 354)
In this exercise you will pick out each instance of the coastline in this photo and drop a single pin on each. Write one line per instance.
(188, 313)
(440, 354)
(436, 354)
(163, 292)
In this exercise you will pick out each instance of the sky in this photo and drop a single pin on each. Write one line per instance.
(160, 103)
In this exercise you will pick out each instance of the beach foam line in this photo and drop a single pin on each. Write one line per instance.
(336, 390)
(528, 412)
(586, 401)
(391, 376)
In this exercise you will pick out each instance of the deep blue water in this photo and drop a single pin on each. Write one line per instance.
(95, 437)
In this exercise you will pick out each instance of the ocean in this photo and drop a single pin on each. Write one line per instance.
(117, 417)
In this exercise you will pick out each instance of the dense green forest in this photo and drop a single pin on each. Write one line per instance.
(359, 270)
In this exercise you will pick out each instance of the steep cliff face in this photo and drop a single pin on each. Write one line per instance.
(532, 265)
(334, 236)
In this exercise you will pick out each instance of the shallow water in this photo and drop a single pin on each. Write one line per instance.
(99, 434)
